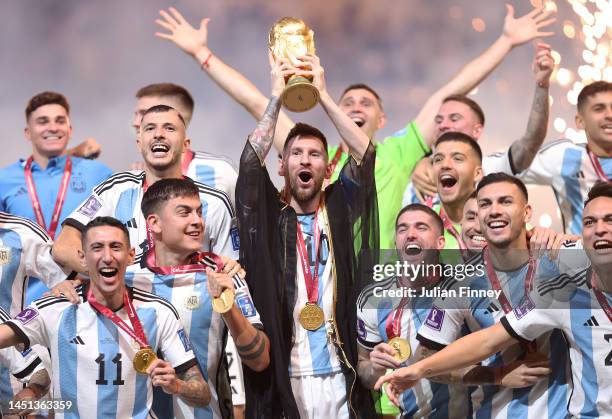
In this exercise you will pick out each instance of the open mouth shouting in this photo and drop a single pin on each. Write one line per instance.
(412, 249)
(447, 181)
(358, 119)
(108, 272)
(602, 244)
(160, 149)
(305, 178)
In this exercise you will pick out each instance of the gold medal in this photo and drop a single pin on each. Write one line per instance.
(143, 359)
(401, 347)
(224, 302)
(311, 316)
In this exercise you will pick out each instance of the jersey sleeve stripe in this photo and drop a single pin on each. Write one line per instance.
(185, 366)
(22, 336)
(430, 344)
(207, 190)
(35, 228)
(28, 370)
(367, 345)
(504, 322)
(117, 179)
(562, 281)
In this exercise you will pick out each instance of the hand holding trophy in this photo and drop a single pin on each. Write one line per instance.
(290, 38)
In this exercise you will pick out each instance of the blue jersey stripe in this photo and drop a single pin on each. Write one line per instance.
(206, 174)
(9, 238)
(572, 162)
(108, 348)
(584, 340)
(148, 319)
(67, 353)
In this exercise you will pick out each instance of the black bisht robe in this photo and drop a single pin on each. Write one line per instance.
(268, 232)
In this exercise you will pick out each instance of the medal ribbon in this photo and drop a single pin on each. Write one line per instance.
(136, 331)
(393, 324)
(312, 281)
(59, 202)
(200, 262)
(603, 301)
(506, 306)
(597, 166)
(187, 157)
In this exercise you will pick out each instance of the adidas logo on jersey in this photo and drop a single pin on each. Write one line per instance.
(77, 340)
(492, 308)
(591, 322)
(131, 223)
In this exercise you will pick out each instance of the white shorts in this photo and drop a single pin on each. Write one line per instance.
(235, 372)
(321, 396)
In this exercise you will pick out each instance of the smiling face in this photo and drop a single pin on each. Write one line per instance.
(456, 169)
(364, 110)
(106, 253)
(503, 213)
(595, 117)
(305, 167)
(49, 130)
(470, 226)
(162, 139)
(416, 233)
(597, 231)
(178, 224)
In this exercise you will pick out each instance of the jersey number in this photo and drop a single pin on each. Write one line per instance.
(101, 380)
(608, 361)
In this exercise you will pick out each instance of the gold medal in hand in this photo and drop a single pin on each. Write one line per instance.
(143, 359)
(224, 302)
(401, 347)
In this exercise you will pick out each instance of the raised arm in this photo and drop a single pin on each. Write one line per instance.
(524, 150)
(195, 43)
(355, 138)
(65, 249)
(516, 31)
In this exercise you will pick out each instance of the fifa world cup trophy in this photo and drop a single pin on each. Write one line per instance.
(290, 38)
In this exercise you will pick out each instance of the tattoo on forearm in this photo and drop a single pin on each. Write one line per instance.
(536, 130)
(194, 391)
(262, 137)
(258, 343)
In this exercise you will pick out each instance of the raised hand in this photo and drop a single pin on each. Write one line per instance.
(543, 64)
(280, 70)
(528, 27)
(185, 36)
(310, 66)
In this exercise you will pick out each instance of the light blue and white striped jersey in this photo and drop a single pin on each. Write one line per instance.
(15, 367)
(215, 171)
(568, 303)
(206, 329)
(312, 353)
(426, 399)
(566, 167)
(547, 398)
(25, 250)
(492, 163)
(92, 358)
(121, 194)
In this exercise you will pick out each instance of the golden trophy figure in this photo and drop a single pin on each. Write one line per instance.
(290, 38)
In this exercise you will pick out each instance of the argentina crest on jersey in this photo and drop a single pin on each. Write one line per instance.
(192, 300)
(5, 255)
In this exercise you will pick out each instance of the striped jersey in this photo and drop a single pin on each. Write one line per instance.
(25, 250)
(547, 398)
(215, 171)
(20, 365)
(491, 163)
(120, 196)
(426, 398)
(312, 352)
(92, 357)
(566, 167)
(207, 331)
(568, 303)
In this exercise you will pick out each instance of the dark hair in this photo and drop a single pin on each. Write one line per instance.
(363, 86)
(460, 138)
(162, 109)
(475, 107)
(501, 177)
(164, 190)
(46, 98)
(600, 189)
(426, 210)
(106, 221)
(304, 129)
(168, 90)
(591, 90)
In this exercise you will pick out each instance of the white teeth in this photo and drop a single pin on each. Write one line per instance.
(446, 176)
(413, 246)
(602, 244)
(478, 238)
(495, 224)
(160, 147)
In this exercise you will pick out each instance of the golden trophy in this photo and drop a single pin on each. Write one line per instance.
(290, 38)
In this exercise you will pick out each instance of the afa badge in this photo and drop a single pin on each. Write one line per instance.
(5, 255)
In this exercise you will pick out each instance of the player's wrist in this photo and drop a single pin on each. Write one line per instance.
(203, 56)
(177, 387)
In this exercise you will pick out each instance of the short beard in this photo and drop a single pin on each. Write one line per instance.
(301, 196)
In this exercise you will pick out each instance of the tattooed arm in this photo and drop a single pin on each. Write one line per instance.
(252, 344)
(262, 137)
(524, 150)
(189, 385)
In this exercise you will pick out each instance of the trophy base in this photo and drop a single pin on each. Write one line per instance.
(300, 95)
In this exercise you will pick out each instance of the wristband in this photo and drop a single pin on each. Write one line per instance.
(206, 60)
(178, 387)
